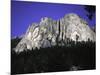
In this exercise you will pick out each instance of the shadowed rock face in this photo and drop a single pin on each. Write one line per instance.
(49, 33)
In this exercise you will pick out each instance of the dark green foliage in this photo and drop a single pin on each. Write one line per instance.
(14, 42)
(80, 54)
(90, 11)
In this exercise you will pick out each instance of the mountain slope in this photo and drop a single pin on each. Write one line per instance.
(50, 33)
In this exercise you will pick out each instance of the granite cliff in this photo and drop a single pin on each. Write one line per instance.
(50, 33)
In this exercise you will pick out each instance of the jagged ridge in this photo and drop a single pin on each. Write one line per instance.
(50, 33)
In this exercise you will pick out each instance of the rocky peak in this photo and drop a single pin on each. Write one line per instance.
(49, 33)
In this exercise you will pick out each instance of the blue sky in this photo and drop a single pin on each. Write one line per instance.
(24, 14)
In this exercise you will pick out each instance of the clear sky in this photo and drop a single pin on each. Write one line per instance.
(24, 14)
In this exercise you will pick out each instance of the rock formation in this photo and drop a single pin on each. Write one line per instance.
(49, 33)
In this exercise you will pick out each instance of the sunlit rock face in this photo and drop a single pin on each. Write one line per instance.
(50, 33)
